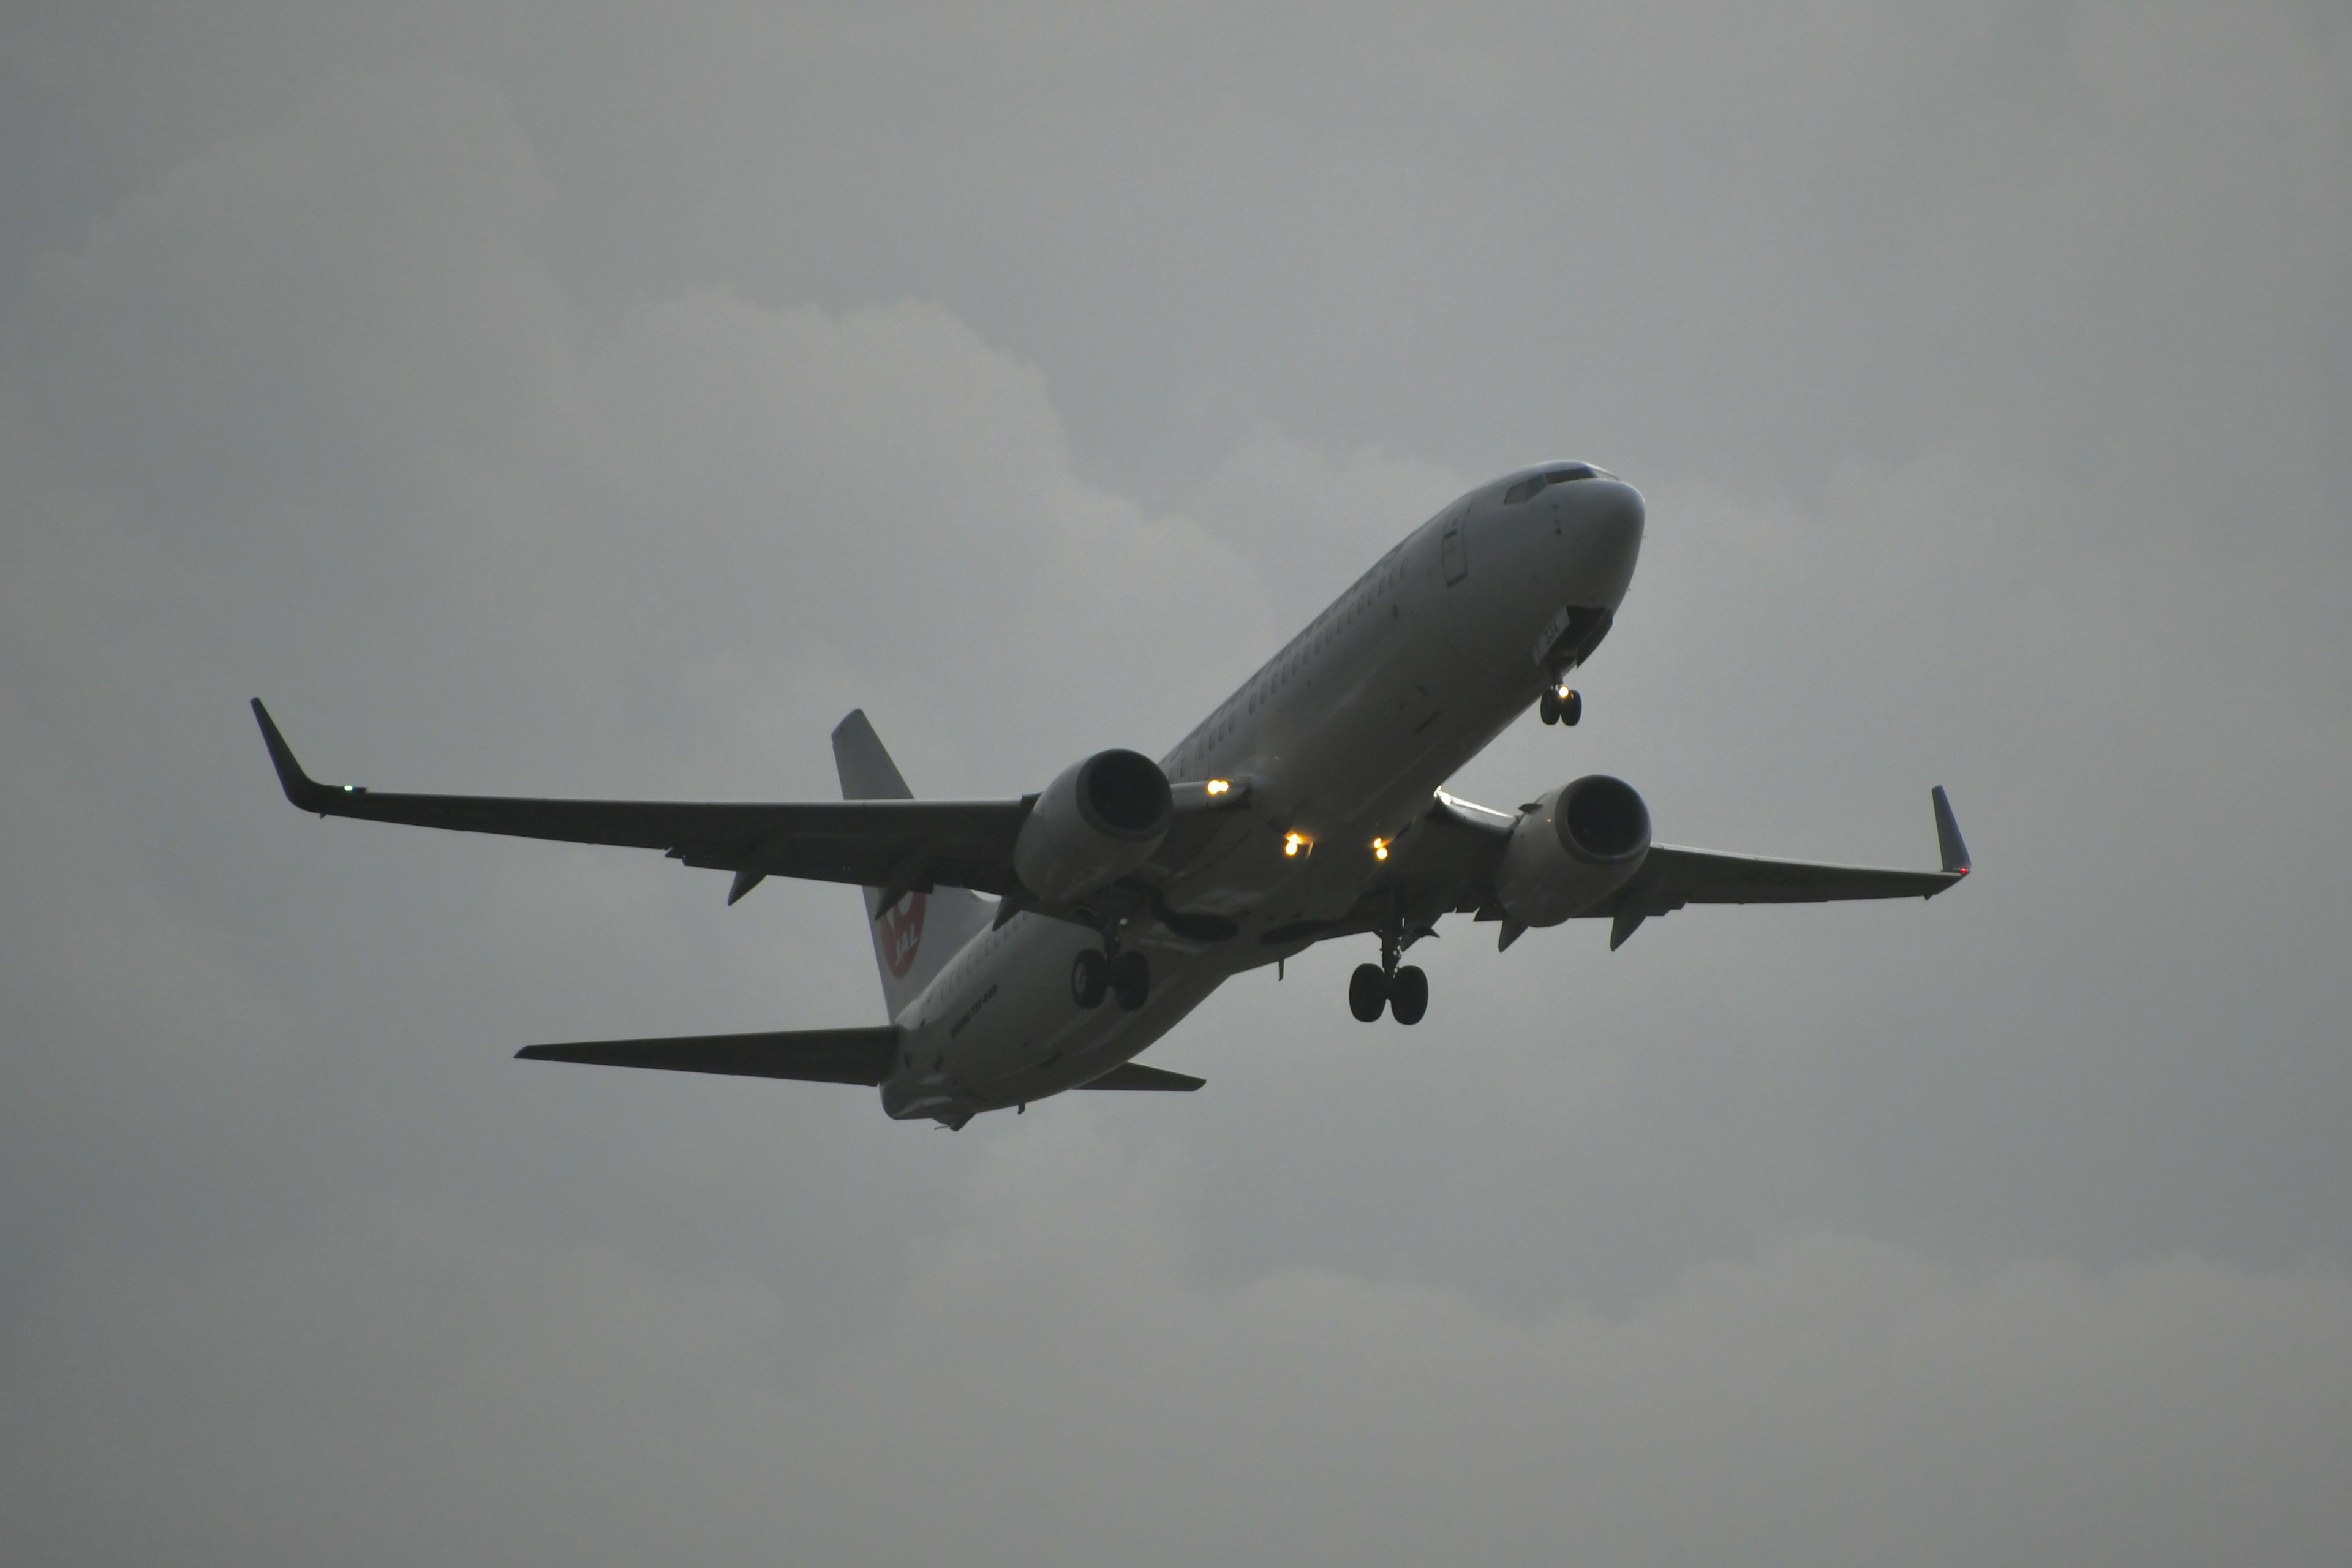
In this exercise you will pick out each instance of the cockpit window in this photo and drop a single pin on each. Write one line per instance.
(1534, 483)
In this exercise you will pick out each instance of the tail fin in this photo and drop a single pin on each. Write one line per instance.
(915, 937)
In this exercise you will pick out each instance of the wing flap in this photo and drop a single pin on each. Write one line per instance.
(860, 1056)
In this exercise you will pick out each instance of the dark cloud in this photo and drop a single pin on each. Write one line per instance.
(606, 401)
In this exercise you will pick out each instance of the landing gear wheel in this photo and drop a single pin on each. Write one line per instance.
(1548, 706)
(1130, 980)
(1408, 996)
(1368, 993)
(1089, 978)
(1571, 707)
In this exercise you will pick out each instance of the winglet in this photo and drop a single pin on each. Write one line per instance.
(300, 787)
(1947, 834)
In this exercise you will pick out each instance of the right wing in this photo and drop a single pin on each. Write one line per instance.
(906, 845)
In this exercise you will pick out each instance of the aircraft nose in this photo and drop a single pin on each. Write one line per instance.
(1611, 526)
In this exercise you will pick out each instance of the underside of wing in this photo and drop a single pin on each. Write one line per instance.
(1449, 860)
(910, 845)
(811, 1056)
(1672, 878)
(1136, 1076)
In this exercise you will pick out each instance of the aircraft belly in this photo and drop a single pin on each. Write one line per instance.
(1361, 764)
(1009, 1031)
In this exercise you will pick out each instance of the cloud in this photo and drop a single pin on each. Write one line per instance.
(1052, 1380)
(604, 406)
(503, 544)
(402, 392)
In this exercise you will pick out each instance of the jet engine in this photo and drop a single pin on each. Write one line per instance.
(1579, 844)
(1101, 819)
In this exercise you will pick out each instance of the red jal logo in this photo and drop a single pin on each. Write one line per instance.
(902, 933)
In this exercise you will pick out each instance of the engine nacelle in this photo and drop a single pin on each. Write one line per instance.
(1099, 821)
(1582, 843)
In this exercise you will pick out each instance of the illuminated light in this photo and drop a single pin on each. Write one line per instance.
(1218, 786)
(1380, 849)
(1294, 845)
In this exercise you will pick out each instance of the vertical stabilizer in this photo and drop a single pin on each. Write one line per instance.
(915, 937)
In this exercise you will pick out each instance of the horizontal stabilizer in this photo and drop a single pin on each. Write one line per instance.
(813, 1056)
(1135, 1075)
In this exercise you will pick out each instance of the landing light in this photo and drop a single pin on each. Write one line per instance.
(1295, 845)
(1380, 849)
(1219, 786)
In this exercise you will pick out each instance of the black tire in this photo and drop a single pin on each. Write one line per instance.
(1548, 706)
(1409, 995)
(1089, 978)
(1130, 980)
(1571, 708)
(1368, 993)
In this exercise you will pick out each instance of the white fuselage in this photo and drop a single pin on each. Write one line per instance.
(1343, 737)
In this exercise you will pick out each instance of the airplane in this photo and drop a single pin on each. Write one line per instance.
(1309, 807)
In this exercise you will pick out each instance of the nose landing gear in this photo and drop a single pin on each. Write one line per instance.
(1562, 705)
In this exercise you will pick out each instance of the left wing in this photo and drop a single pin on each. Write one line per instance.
(906, 845)
(1448, 860)
(1670, 878)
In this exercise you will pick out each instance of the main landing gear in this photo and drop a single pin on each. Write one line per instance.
(1125, 975)
(1562, 705)
(1401, 991)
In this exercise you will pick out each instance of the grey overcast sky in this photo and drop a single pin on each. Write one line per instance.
(603, 398)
